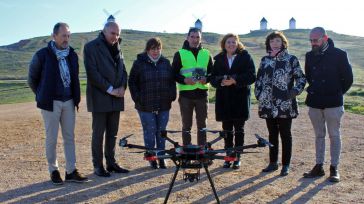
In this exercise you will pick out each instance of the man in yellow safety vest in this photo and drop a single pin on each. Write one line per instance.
(192, 66)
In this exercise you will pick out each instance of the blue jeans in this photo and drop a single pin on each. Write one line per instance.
(153, 123)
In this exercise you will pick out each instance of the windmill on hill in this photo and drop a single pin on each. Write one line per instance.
(111, 17)
(198, 22)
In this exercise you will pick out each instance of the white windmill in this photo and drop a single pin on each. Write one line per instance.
(263, 24)
(198, 22)
(111, 17)
(292, 23)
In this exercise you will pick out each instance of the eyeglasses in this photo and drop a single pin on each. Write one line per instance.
(315, 40)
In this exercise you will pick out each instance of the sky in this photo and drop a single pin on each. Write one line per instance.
(23, 19)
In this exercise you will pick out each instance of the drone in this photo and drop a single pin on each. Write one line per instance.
(192, 158)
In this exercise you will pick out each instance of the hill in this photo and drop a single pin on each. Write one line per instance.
(15, 58)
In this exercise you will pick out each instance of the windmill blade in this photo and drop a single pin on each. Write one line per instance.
(116, 13)
(106, 12)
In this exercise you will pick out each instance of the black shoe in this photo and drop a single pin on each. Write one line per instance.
(334, 174)
(209, 163)
(153, 164)
(236, 165)
(75, 176)
(162, 164)
(271, 167)
(117, 169)
(56, 178)
(101, 172)
(317, 171)
(226, 165)
(285, 170)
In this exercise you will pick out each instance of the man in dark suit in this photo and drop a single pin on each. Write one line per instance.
(106, 84)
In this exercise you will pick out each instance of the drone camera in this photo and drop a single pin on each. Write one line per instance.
(191, 175)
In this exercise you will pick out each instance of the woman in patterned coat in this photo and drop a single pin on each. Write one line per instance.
(279, 80)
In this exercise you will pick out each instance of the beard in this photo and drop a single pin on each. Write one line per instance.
(316, 49)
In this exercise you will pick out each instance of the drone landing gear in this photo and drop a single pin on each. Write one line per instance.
(191, 177)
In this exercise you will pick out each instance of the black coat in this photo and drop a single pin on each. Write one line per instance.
(44, 75)
(152, 86)
(329, 76)
(233, 102)
(102, 72)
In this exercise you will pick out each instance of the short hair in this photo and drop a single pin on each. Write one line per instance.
(319, 30)
(275, 34)
(109, 24)
(194, 30)
(58, 26)
(153, 43)
(231, 35)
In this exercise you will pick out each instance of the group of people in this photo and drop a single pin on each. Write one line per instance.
(53, 77)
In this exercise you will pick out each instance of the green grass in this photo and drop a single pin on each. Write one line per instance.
(15, 92)
(14, 59)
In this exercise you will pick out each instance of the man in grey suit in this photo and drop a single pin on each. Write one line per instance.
(106, 84)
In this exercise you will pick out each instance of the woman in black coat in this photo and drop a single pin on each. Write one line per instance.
(153, 89)
(232, 75)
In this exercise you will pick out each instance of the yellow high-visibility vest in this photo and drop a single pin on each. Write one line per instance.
(191, 66)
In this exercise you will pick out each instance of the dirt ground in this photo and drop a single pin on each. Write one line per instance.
(25, 178)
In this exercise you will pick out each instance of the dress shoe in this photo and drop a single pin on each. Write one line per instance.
(117, 169)
(226, 165)
(334, 174)
(285, 170)
(153, 164)
(75, 176)
(271, 167)
(101, 172)
(236, 164)
(317, 171)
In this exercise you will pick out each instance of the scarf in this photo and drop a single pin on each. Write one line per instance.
(62, 64)
(154, 60)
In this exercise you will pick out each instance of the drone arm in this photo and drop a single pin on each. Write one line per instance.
(137, 146)
(164, 135)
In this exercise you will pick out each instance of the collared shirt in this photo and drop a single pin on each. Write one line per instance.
(230, 60)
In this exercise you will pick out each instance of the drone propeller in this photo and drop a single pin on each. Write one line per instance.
(263, 142)
(126, 137)
(176, 131)
(211, 131)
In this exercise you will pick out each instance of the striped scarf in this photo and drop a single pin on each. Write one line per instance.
(62, 64)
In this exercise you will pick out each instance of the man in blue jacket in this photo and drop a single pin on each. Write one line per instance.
(53, 77)
(329, 76)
